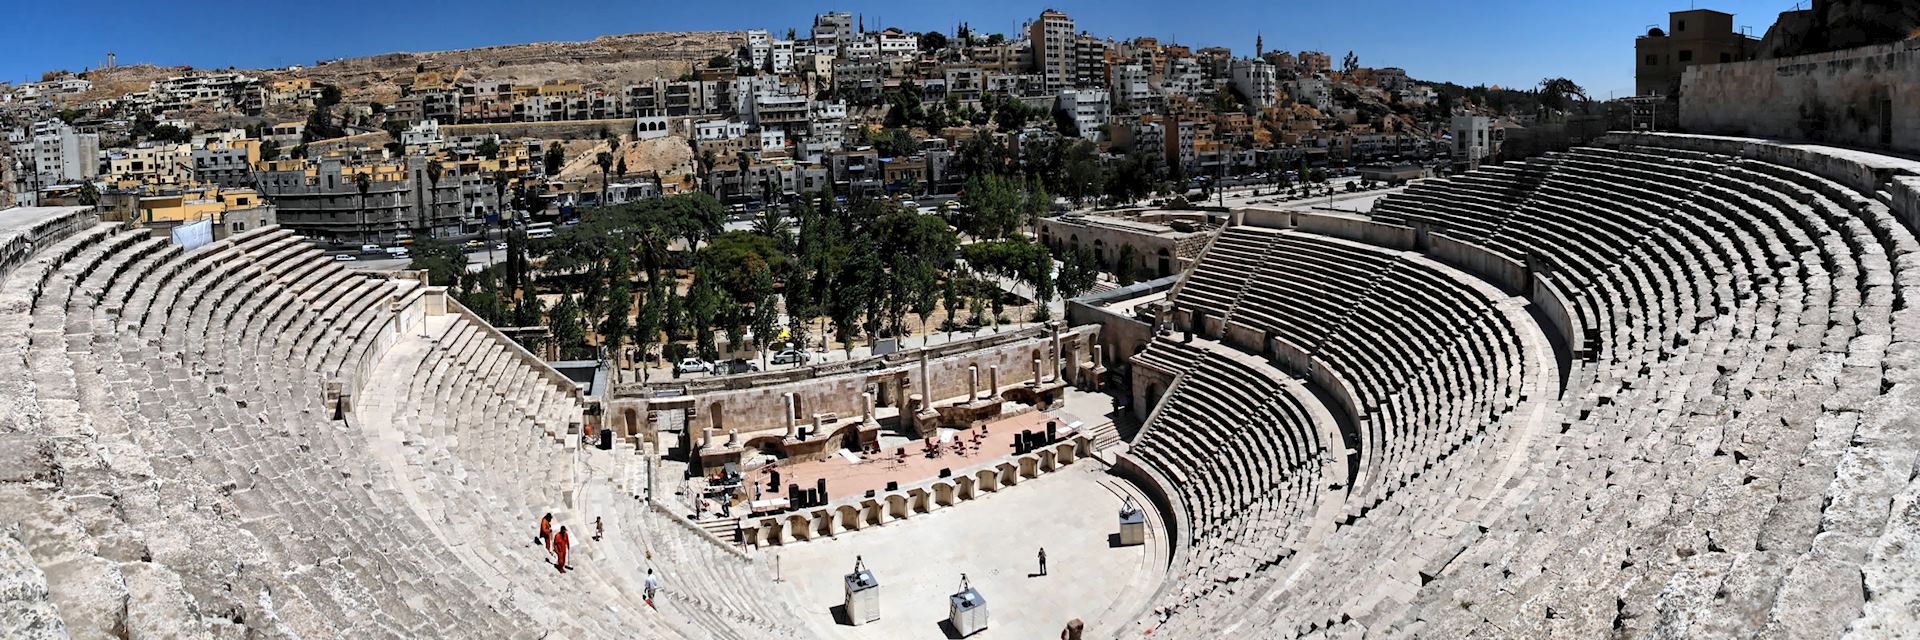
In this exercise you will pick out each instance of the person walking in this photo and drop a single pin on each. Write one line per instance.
(545, 537)
(1043, 561)
(652, 585)
(598, 529)
(560, 543)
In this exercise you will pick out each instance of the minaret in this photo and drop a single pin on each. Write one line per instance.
(1258, 47)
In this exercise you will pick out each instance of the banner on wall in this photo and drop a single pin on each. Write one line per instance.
(193, 234)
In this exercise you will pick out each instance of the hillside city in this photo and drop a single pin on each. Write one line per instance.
(378, 158)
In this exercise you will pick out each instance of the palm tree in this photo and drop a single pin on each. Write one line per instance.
(363, 183)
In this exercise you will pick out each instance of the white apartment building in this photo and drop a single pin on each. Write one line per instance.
(782, 52)
(712, 130)
(746, 89)
(423, 135)
(1088, 109)
(52, 152)
(650, 124)
(1184, 77)
(859, 49)
(759, 47)
(1256, 80)
(1132, 85)
(893, 42)
(830, 110)
(1312, 92)
(1473, 140)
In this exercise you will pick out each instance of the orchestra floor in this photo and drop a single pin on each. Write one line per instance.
(994, 541)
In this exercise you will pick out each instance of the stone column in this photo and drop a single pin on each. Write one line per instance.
(819, 426)
(706, 437)
(1056, 349)
(733, 437)
(1036, 372)
(926, 385)
(791, 410)
(993, 380)
(1099, 360)
(866, 405)
(973, 383)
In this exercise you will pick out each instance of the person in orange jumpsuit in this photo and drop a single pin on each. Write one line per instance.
(546, 532)
(560, 542)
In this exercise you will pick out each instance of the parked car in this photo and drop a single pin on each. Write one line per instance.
(344, 257)
(791, 356)
(369, 248)
(738, 365)
(397, 252)
(500, 245)
(692, 365)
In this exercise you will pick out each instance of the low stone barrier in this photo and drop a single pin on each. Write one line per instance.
(856, 513)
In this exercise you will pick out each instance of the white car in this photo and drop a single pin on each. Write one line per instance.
(792, 356)
(344, 257)
(692, 365)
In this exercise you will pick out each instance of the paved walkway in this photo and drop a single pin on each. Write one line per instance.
(994, 540)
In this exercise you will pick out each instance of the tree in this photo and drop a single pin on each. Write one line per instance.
(766, 312)
(564, 322)
(1350, 63)
(619, 306)
(950, 298)
(933, 41)
(646, 324)
(269, 150)
(605, 160)
(489, 149)
(555, 158)
(1556, 93)
(1123, 264)
(1078, 272)
(443, 262)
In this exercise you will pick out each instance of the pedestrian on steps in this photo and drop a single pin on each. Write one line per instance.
(653, 584)
(598, 529)
(545, 537)
(560, 544)
(1043, 561)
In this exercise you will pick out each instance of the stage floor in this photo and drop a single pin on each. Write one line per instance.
(995, 541)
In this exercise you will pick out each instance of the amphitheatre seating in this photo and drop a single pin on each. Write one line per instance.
(1432, 362)
(1723, 458)
(194, 480)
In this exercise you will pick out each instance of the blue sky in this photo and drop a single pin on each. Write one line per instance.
(1506, 42)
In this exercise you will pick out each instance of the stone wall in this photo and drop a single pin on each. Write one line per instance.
(1834, 97)
(1121, 335)
(763, 408)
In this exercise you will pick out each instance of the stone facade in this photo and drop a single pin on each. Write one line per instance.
(1861, 97)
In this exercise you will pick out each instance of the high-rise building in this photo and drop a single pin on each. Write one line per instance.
(1052, 42)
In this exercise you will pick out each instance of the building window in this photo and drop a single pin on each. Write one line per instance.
(1682, 26)
(1686, 55)
(1652, 60)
